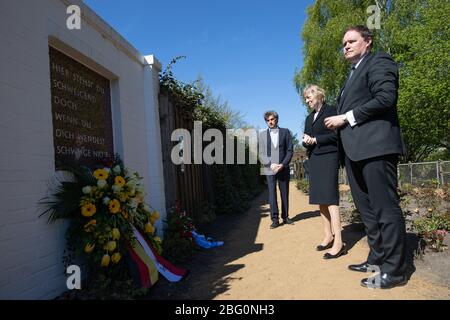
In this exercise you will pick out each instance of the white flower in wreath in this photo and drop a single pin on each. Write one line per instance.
(116, 189)
(146, 208)
(140, 189)
(131, 184)
(116, 169)
(106, 200)
(128, 175)
(86, 189)
(101, 183)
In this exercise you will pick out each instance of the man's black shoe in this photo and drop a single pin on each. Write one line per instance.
(362, 267)
(288, 221)
(384, 281)
(274, 225)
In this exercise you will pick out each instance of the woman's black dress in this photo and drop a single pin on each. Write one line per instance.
(323, 159)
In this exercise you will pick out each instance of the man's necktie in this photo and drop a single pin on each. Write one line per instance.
(348, 79)
(351, 72)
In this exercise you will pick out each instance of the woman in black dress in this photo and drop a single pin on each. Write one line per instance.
(322, 149)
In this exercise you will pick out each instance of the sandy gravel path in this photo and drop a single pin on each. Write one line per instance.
(259, 263)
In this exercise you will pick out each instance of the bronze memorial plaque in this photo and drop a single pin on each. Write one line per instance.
(81, 110)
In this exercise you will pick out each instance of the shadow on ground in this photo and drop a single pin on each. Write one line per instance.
(351, 233)
(210, 269)
(306, 215)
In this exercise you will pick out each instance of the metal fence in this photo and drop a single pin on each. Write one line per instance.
(433, 173)
(437, 172)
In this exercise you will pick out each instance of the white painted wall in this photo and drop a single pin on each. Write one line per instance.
(30, 249)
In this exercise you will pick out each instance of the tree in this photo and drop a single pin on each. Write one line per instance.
(416, 34)
(420, 44)
(296, 142)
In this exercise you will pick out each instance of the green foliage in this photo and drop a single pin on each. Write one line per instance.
(420, 44)
(233, 185)
(204, 213)
(102, 206)
(439, 154)
(405, 188)
(302, 185)
(433, 229)
(106, 288)
(178, 245)
(64, 201)
(184, 95)
(322, 38)
(226, 196)
(296, 142)
(432, 222)
(416, 34)
(430, 206)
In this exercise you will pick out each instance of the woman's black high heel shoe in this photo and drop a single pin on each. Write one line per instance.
(325, 247)
(341, 252)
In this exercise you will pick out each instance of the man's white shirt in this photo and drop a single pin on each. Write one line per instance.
(274, 136)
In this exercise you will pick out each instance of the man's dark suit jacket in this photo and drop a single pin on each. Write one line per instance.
(371, 93)
(327, 140)
(284, 148)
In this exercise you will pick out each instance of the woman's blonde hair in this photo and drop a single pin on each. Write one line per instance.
(316, 91)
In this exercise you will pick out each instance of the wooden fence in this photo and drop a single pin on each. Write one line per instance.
(184, 184)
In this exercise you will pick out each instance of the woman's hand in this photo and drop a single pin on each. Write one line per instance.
(309, 140)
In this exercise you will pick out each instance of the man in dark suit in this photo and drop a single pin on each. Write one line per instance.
(275, 153)
(369, 131)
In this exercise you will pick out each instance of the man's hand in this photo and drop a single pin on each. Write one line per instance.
(275, 167)
(278, 168)
(309, 140)
(334, 122)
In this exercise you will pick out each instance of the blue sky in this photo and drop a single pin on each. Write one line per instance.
(247, 51)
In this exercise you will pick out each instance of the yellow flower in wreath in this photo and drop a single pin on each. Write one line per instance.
(116, 257)
(149, 228)
(101, 174)
(105, 260)
(119, 181)
(123, 197)
(154, 216)
(111, 246)
(89, 247)
(114, 206)
(115, 234)
(88, 210)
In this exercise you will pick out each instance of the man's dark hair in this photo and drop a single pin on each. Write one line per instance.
(365, 32)
(267, 114)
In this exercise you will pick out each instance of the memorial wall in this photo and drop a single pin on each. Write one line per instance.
(81, 111)
(65, 94)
